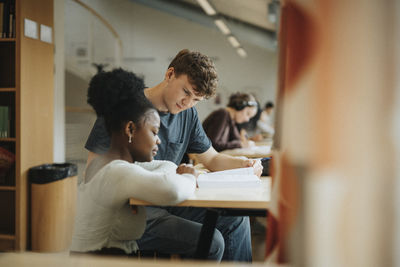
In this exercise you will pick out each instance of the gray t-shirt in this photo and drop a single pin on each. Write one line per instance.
(179, 133)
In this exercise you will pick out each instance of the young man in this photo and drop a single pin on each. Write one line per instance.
(190, 78)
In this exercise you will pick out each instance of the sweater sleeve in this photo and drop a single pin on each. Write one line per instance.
(219, 129)
(160, 186)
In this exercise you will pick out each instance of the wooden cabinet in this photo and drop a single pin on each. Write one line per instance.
(26, 88)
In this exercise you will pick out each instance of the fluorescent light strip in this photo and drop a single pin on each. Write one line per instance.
(207, 7)
(222, 26)
(241, 52)
(234, 42)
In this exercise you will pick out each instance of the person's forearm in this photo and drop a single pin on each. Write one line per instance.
(222, 162)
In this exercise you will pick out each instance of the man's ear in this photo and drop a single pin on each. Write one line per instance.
(130, 128)
(169, 73)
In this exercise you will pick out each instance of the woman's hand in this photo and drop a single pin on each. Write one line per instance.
(257, 137)
(251, 143)
(247, 143)
(187, 168)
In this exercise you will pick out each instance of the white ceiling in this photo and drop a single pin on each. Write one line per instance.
(254, 12)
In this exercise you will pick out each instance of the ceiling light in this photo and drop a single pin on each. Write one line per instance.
(222, 26)
(241, 52)
(234, 42)
(207, 7)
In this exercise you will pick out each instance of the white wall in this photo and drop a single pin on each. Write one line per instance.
(152, 38)
(59, 80)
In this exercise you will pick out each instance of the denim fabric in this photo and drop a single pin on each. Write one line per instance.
(178, 232)
(171, 234)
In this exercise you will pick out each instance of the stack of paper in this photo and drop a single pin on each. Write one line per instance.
(242, 177)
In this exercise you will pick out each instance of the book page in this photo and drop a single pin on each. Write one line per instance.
(238, 171)
(242, 177)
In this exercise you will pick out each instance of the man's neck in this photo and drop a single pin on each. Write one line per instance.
(155, 96)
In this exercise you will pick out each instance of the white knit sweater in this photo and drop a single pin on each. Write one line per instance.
(104, 218)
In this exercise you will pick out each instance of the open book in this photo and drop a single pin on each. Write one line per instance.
(242, 177)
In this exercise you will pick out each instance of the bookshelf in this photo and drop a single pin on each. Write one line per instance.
(26, 88)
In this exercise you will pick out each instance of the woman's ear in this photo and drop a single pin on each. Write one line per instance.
(129, 129)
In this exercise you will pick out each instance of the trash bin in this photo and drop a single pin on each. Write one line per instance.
(53, 201)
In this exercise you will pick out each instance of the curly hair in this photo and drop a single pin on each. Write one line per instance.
(200, 70)
(118, 96)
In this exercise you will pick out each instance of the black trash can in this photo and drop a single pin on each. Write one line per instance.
(53, 201)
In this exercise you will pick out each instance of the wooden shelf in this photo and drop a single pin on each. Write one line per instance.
(24, 62)
(10, 198)
(7, 237)
(8, 90)
(7, 188)
(7, 39)
(8, 139)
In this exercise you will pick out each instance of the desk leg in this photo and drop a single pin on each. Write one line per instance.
(206, 234)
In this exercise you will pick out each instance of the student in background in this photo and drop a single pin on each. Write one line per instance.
(190, 78)
(248, 129)
(104, 222)
(221, 125)
(264, 124)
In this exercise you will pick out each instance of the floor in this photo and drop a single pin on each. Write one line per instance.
(258, 231)
(258, 234)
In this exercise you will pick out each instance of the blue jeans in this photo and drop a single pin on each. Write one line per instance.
(177, 232)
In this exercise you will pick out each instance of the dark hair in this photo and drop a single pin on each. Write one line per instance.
(239, 101)
(118, 96)
(200, 70)
(269, 104)
(251, 125)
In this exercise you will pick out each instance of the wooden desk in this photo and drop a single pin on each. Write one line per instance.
(223, 202)
(236, 198)
(250, 152)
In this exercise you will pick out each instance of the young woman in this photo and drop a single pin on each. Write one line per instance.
(104, 218)
(221, 125)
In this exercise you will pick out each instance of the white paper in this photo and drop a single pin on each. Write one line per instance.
(46, 34)
(30, 29)
(242, 177)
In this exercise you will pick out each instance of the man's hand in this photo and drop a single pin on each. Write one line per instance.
(187, 168)
(256, 164)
